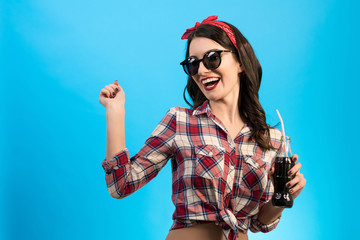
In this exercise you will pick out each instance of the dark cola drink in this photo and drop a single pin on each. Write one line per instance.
(282, 198)
(283, 163)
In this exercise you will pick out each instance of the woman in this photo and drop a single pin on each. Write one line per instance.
(221, 149)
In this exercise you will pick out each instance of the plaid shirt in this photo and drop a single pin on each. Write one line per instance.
(214, 178)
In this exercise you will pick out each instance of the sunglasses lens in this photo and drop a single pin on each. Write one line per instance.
(192, 66)
(212, 60)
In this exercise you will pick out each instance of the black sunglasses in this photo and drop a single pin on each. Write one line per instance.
(211, 60)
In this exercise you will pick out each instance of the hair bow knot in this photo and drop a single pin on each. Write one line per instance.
(197, 24)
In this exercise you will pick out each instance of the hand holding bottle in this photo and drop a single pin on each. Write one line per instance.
(297, 182)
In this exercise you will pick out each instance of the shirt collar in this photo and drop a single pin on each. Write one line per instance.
(205, 108)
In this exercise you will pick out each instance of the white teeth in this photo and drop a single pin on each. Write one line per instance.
(210, 80)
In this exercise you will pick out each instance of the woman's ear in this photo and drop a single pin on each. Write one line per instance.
(240, 68)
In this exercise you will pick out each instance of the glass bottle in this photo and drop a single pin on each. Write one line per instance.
(283, 163)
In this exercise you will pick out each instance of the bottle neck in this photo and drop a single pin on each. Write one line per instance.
(287, 148)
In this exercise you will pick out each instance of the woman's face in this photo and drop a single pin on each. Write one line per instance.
(227, 86)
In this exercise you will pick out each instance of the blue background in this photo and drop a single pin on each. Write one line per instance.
(56, 56)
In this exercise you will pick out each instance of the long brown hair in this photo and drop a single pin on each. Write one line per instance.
(250, 108)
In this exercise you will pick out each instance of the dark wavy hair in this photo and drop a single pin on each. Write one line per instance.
(250, 108)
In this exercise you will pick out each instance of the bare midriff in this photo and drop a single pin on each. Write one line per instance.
(207, 231)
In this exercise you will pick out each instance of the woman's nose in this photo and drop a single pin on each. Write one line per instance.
(202, 69)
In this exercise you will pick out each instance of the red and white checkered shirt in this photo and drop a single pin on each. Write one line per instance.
(214, 178)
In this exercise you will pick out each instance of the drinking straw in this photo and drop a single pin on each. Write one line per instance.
(283, 131)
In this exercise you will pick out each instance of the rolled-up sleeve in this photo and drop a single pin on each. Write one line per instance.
(125, 175)
(257, 226)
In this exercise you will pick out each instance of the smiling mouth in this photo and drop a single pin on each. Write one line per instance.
(210, 83)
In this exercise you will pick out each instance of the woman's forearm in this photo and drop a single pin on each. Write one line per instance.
(269, 213)
(115, 131)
